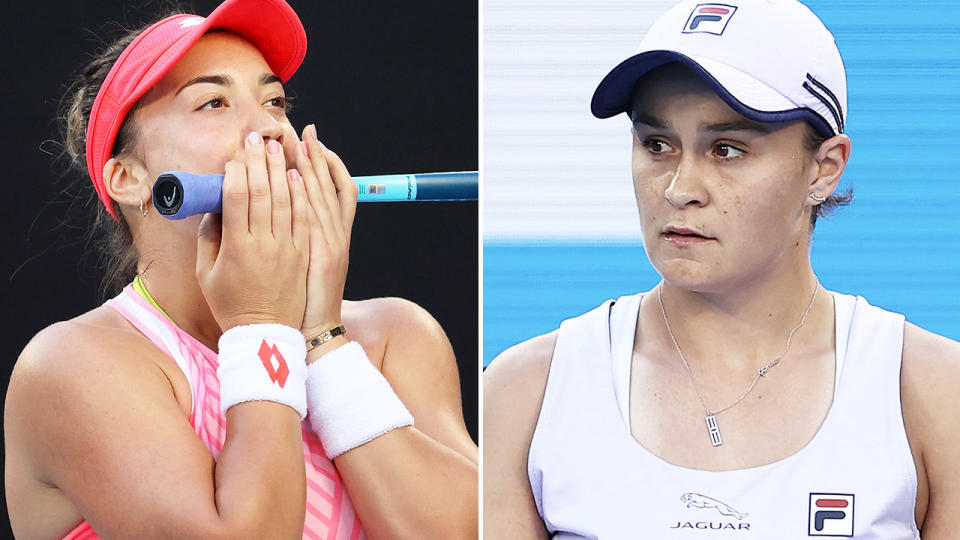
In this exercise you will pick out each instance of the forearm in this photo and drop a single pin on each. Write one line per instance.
(260, 482)
(403, 482)
(406, 485)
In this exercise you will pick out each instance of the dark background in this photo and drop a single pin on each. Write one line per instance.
(392, 88)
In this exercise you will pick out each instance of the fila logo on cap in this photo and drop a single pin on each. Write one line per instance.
(192, 21)
(831, 514)
(709, 19)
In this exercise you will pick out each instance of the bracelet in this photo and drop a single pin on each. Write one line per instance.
(325, 337)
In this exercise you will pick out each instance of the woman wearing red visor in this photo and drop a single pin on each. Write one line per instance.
(229, 391)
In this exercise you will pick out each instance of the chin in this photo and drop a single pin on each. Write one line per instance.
(692, 275)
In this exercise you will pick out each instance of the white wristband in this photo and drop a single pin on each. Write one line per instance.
(263, 362)
(350, 401)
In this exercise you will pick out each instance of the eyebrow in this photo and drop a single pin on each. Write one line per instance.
(742, 125)
(268, 78)
(639, 117)
(226, 80)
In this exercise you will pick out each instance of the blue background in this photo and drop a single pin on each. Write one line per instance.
(898, 244)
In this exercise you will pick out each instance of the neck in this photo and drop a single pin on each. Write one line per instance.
(169, 274)
(745, 327)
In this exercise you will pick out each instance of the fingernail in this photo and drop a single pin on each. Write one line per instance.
(294, 175)
(303, 146)
(312, 131)
(273, 146)
(254, 138)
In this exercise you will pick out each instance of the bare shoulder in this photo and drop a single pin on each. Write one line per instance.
(404, 341)
(931, 368)
(377, 323)
(513, 388)
(522, 368)
(84, 350)
(69, 363)
(77, 348)
(392, 310)
(41, 370)
(62, 405)
(929, 378)
(412, 351)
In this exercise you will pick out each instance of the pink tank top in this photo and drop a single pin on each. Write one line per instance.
(330, 514)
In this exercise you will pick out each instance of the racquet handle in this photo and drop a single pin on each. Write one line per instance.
(177, 194)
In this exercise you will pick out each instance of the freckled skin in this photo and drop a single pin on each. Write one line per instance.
(746, 189)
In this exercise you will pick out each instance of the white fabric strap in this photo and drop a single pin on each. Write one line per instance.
(263, 362)
(350, 401)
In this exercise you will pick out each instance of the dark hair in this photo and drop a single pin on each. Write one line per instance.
(812, 141)
(110, 240)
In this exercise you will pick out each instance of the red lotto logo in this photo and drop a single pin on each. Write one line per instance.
(278, 373)
(831, 514)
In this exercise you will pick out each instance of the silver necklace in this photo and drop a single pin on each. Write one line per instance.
(712, 428)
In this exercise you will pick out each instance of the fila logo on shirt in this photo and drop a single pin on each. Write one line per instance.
(278, 373)
(709, 19)
(831, 514)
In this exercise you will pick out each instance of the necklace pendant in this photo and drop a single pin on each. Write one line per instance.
(714, 430)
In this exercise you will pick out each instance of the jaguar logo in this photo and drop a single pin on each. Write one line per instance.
(696, 500)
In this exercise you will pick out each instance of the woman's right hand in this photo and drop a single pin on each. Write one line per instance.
(332, 196)
(252, 261)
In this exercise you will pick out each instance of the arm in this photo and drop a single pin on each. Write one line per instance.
(513, 387)
(411, 482)
(929, 379)
(419, 481)
(101, 423)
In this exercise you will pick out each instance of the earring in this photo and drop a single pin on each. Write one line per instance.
(143, 211)
(816, 198)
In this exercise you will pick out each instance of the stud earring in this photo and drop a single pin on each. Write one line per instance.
(816, 198)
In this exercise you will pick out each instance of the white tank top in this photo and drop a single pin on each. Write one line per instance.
(591, 479)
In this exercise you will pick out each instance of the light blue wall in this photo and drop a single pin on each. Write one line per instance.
(898, 245)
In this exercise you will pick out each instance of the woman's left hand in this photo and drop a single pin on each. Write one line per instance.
(333, 203)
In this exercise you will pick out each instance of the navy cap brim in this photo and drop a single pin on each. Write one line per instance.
(614, 94)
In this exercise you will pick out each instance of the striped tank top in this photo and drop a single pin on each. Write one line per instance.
(329, 514)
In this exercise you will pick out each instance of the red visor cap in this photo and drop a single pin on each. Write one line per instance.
(270, 25)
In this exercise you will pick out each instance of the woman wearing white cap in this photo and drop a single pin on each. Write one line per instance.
(738, 398)
(180, 408)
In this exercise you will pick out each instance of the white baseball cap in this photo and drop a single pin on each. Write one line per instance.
(769, 60)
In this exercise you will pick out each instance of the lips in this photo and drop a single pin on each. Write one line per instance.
(683, 236)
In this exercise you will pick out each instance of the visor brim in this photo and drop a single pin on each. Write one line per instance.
(748, 96)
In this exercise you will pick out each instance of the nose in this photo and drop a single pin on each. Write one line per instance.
(271, 129)
(687, 187)
(266, 124)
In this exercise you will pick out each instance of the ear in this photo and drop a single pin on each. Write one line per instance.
(831, 161)
(127, 182)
